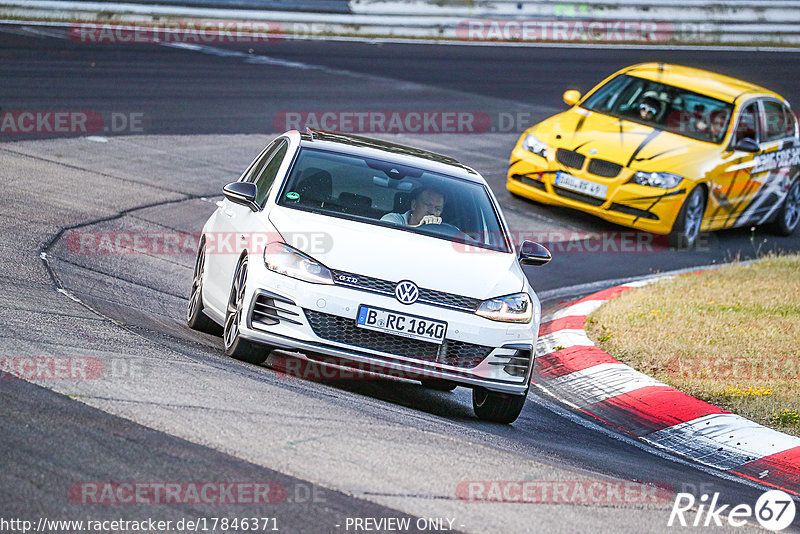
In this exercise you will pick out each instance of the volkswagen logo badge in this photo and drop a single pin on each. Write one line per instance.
(406, 292)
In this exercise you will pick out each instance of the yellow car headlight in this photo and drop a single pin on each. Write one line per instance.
(532, 144)
(662, 180)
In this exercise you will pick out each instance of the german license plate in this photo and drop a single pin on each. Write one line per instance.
(401, 324)
(573, 183)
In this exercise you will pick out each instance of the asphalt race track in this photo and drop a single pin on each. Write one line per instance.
(165, 405)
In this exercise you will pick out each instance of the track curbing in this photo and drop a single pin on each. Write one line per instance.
(570, 367)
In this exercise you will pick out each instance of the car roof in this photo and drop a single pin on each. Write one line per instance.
(701, 81)
(377, 148)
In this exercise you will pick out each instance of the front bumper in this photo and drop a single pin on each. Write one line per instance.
(320, 319)
(633, 205)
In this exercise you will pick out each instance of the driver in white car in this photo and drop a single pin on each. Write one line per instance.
(426, 208)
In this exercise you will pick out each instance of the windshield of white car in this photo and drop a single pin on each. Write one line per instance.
(663, 107)
(369, 190)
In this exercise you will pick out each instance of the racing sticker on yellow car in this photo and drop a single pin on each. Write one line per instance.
(773, 160)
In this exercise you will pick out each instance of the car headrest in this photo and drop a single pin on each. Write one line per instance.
(315, 184)
(354, 200)
(402, 202)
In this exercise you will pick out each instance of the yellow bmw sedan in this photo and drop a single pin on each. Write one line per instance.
(667, 149)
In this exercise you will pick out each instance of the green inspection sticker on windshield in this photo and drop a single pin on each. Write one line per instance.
(291, 195)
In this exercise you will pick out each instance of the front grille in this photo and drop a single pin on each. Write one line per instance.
(364, 282)
(432, 296)
(630, 210)
(606, 169)
(570, 158)
(529, 181)
(580, 197)
(426, 296)
(344, 330)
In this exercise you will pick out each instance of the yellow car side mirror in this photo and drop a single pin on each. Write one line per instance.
(571, 97)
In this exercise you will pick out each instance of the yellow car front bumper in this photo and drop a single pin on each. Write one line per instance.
(628, 204)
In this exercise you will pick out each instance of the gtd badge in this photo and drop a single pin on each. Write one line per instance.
(406, 292)
(347, 279)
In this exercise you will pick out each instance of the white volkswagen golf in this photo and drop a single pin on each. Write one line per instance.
(372, 253)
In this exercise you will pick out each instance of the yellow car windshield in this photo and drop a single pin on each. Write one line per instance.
(663, 107)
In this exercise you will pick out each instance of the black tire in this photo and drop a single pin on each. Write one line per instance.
(788, 216)
(497, 407)
(195, 318)
(235, 346)
(687, 224)
(439, 385)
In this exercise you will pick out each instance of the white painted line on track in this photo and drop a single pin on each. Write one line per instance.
(549, 343)
(604, 381)
(724, 441)
(258, 59)
(552, 403)
(580, 309)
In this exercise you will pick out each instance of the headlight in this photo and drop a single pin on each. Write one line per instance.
(664, 180)
(515, 308)
(532, 144)
(283, 259)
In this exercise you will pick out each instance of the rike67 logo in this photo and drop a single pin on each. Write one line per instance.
(774, 510)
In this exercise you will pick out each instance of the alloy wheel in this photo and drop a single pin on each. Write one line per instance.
(235, 302)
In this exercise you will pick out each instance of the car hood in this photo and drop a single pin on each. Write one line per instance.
(627, 143)
(394, 255)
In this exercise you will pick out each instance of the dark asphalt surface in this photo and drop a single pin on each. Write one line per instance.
(50, 442)
(204, 93)
(170, 91)
(75, 448)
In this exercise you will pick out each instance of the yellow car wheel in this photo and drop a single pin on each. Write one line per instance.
(789, 213)
(687, 224)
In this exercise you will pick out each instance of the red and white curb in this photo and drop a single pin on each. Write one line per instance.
(570, 367)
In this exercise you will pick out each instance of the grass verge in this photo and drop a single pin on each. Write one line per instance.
(729, 336)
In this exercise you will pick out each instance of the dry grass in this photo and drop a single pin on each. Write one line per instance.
(729, 336)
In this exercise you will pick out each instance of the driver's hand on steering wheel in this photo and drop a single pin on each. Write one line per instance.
(430, 219)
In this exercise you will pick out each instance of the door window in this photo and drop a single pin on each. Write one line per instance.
(748, 124)
(779, 121)
(266, 175)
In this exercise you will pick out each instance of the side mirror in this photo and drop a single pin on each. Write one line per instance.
(571, 97)
(531, 253)
(243, 193)
(746, 145)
